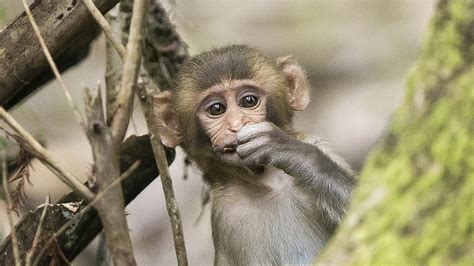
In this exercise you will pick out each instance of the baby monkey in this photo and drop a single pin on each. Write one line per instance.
(276, 198)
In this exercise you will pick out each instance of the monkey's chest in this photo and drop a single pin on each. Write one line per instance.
(266, 226)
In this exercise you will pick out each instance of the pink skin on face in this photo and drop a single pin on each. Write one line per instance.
(225, 108)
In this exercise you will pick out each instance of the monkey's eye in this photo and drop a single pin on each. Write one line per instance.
(216, 109)
(249, 101)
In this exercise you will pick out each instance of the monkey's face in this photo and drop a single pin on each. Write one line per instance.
(224, 109)
(219, 92)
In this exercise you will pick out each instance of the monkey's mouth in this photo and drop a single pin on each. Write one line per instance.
(228, 154)
(229, 148)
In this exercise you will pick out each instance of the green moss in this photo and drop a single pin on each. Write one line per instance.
(426, 166)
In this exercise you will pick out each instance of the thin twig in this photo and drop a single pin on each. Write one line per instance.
(43, 155)
(8, 199)
(166, 181)
(113, 67)
(106, 28)
(30, 253)
(52, 64)
(131, 68)
(76, 217)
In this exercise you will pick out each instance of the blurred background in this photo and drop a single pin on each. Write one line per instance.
(357, 55)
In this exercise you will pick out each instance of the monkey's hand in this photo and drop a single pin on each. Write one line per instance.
(314, 171)
(264, 143)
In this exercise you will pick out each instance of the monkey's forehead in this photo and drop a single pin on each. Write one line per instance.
(237, 62)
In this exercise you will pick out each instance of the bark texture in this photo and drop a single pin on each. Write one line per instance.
(68, 29)
(413, 204)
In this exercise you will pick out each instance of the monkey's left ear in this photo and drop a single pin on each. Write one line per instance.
(298, 88)
(166, 119)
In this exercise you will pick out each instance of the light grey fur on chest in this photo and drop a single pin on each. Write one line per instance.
(264, 222)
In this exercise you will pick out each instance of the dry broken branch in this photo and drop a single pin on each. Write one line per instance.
(106, 141)
(67, 28)
(29, 254)
(85, 230)
(111, 207)
(100, 197)
(52, 64)
(16, 253)
(166, 181)
(113, 67)
(43, 155)
(131, 68)
(106, 28)
(68, 49)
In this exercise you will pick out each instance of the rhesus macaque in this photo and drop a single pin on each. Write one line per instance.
(276, 198)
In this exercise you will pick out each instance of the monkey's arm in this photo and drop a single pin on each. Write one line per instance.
(316, 172)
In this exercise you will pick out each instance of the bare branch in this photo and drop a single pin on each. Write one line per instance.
(74, 240)
(106, 142)
(43, 155)
(52, 64)
(78, 216)
(113, 68)
(8, 199)
(68, 30)
(30, 253)
(106, 160)
(106, 28)
(167, 183)
(131, 68)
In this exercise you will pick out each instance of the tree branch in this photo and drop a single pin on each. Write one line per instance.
(166, 181)
(8, 200)
(29, 254)
(84, 231)
(131, 67)
(43, 155)
(171, 55)
(67, 28)
(106, 28)
(111, 207)
(52, 64)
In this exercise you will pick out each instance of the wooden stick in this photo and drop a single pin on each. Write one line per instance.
(30, 253)
(106, 28)
(8, 199)
(131, 68)
(166, 181)
(43, 155)
(52, 64)
(99, 196)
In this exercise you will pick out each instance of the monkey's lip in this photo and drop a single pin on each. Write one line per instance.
(229, 148)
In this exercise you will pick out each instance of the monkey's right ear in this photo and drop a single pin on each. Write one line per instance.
(166, 119)
(298, 87)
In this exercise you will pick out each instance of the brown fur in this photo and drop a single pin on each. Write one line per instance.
(210, 68)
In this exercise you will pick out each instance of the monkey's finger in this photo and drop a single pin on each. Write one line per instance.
(251, 131)
(246, 149)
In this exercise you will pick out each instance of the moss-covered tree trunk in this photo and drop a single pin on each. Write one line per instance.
(414, 201)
